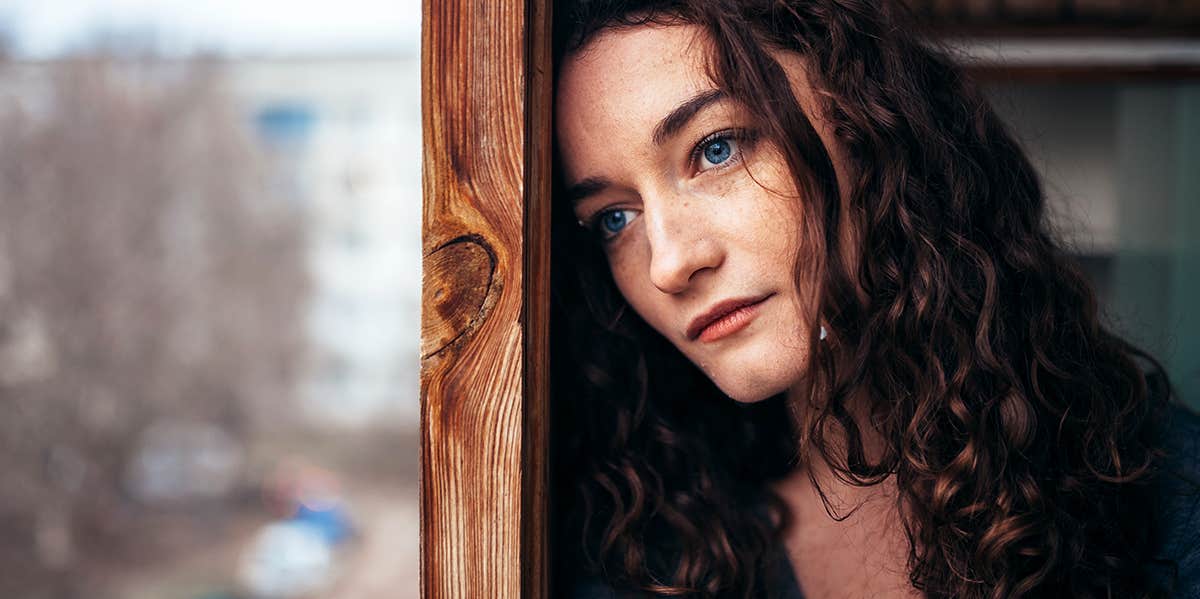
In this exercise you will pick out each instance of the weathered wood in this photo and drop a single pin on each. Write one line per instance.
(535, 445)
(486, 119)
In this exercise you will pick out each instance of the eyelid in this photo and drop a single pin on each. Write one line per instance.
(741, 136)
(591, 224)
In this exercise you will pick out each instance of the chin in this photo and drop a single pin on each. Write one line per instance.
(748, 392)
(757, 371)
(744, 383)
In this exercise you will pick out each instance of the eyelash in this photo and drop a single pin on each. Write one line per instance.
(741, 137)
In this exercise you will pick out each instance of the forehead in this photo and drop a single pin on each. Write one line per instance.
(619, 56)
(624, 80)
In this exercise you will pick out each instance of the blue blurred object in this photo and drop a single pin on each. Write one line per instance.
(332, 522)
(287, 560)
(286, 123)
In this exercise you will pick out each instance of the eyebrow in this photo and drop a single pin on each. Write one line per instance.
(668, 127)
(585, 188)
(683, 113)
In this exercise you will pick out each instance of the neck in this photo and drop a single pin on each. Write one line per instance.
(844, 539)
(834, 438)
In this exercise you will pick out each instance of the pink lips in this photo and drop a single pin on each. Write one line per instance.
(724, 318)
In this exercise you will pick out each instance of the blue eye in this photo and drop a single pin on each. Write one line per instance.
(613, 221)
(609, 223)
(718, 151)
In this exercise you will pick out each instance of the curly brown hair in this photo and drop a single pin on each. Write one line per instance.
(1021, 433)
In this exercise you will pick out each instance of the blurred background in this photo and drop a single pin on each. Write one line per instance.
(209, 283)
(210, 260)
(1105, 97)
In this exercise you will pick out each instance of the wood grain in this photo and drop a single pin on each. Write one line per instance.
(485, 110)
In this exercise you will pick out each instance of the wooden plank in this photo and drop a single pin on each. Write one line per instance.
(535, 501)
(486, 120)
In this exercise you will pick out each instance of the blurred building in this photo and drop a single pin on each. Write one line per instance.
(344, 140)
(341, 141)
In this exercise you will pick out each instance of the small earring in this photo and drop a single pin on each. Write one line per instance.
(823, 333)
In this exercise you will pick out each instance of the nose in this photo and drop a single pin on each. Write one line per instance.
(683, 243)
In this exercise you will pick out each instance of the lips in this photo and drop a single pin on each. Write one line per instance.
(719, 310)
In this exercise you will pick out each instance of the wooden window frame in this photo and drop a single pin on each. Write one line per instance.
(486, 88)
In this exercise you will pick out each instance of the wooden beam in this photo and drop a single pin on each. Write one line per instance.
(485, 296)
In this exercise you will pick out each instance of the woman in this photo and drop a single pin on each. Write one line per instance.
(814, 334)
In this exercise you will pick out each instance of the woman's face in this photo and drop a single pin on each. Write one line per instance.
(692, 210)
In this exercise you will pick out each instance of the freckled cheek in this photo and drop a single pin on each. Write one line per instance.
(759, 207)
(780, 208)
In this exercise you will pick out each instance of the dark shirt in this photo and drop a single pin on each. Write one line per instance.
(1178, 526)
